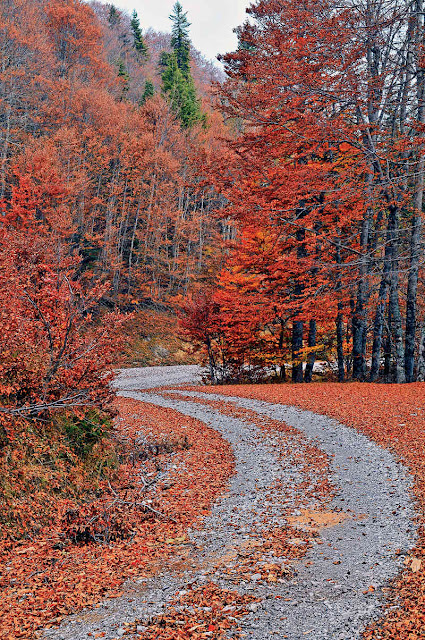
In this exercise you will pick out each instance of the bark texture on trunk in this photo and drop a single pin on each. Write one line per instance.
(421, 356)
(416, 228)
(297, 345)
(312, 333)
(340, 345)
(359, 323)
(378, 325)
(397, 329)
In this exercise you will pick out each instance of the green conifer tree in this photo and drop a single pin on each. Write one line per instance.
(114, 17)
(173, 83)
(148, 92)
(124, 77)
(177, 81)
(180, 40)
(138, 40)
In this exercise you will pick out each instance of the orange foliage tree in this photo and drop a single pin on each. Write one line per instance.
(326, 186)
(52, 355)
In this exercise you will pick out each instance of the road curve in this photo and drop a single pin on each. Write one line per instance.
(336, 588)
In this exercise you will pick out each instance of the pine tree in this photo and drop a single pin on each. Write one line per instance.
(124, 76)
(173, 83)
(148, 92)
(180, 40)
(180, 91)
(114, 17)
(138, 40)
(190, 110)
(177, 81)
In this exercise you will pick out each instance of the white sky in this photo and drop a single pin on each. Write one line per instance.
(212, 20)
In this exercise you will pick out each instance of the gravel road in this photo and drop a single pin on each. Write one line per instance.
(152, 377)
(336, 589)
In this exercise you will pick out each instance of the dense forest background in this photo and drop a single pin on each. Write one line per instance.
(105, 135)
(275, 208)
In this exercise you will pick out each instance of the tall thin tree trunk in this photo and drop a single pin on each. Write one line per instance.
(297, 345)
(421, 356)
(339, 318)
(211, 361)
(312, 333)
(416, 233)
(412, 283)
(340, 343)
(360, 312)
(397, 328)
(281, 342)
(378, 325)
(387, 350)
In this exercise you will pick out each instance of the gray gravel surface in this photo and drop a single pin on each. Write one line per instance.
(150, 377)
(325, 598)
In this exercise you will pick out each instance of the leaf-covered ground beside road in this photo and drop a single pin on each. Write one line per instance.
(199, 613)
(49, 577)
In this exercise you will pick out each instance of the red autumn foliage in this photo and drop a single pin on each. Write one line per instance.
(52, 354)
(135, 192)
(325, 182)
(199, 624)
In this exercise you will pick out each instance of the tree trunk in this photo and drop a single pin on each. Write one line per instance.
(416, 234)
(340, 344)
(387, 352)
(397, 328)
(297, 345)
(412, 284)
(339, 318)
(378, 326)
(211, 361)
(421, 356)
(312, 333)
(281, 342)
(360, 318)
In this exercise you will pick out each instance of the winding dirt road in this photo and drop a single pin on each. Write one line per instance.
(316, 521)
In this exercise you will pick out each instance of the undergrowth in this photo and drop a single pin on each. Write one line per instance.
(163, 476)
(68, 474)
(43, 463)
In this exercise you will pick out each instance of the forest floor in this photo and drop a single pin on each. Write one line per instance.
(293, 512)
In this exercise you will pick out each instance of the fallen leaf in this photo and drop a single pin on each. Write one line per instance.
(416, 564)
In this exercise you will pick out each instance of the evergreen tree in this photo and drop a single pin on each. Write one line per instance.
(190, 111)
(138, 40)
(177, 81)
(124, 76)
(163, 61)
(180, 40)
(181, 93)
(173, 82)
(149, 92)
(114, 17)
